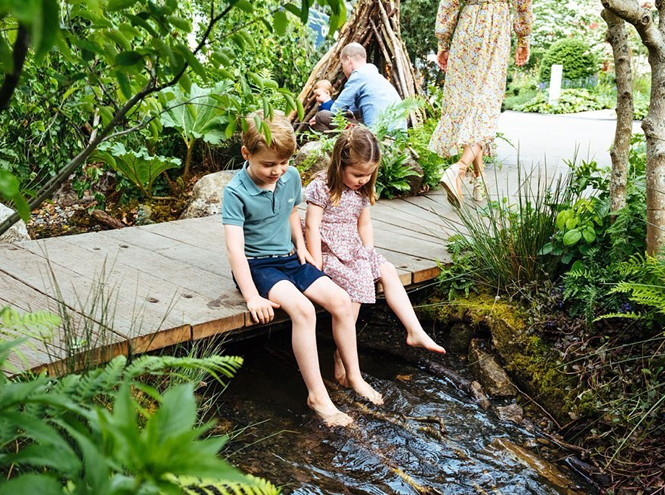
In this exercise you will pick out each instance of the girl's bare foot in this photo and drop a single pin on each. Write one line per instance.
(365, 389)
(340, 371)
(327, 411)
(421, 339)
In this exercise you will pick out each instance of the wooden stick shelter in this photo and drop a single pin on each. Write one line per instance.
(375, 24)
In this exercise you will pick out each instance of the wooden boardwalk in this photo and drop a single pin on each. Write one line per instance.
(143, 288)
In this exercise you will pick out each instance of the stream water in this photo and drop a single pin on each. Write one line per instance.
(398, 448)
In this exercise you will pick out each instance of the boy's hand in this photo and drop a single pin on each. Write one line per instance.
(261, 309)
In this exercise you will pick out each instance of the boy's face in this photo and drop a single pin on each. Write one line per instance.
(322, 95)
(265, 166)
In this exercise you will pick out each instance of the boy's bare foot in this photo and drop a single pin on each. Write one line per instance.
(327, 411)
(365, 389)
(340, 371)
(421, 339)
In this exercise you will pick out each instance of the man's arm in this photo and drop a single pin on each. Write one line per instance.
(260, 308)
(347, 98)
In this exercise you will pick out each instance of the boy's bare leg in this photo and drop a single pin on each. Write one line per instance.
(340, 372)
(303, 318)
(399, 302)
(336, 301)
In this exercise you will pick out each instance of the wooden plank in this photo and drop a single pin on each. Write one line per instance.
(82, 281)
(215, 302)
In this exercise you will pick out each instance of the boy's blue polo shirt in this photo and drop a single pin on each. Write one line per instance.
(263, 214)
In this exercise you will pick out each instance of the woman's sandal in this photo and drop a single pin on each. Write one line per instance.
(479, 189)
(449, 183)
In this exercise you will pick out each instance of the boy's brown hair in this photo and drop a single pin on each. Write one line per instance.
(356, 144)
(325, 85)
(282, 136)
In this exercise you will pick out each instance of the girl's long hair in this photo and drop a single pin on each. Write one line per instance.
(357, 144)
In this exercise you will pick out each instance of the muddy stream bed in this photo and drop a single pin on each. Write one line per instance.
(429, 437)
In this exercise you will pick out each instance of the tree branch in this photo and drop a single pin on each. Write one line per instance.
(11, 80)
(639, 17)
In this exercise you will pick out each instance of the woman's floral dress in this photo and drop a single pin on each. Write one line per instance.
(477, 64)
(351, 265)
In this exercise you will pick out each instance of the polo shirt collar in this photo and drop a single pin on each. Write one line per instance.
(251, 186)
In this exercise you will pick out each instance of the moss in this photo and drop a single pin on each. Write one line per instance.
(532, 363)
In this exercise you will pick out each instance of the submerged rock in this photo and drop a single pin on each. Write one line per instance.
(17, 232)
(460, 337)
(490, 374)
(207, 195)
(512, 412)
(477, 392)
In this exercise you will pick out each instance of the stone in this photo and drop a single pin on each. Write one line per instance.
(311, 159)
(490, 374)
(17, 232)
(512, 412)
(415, 181)
(207, 195)
(143, 215)
(460, 337)
(476, 390)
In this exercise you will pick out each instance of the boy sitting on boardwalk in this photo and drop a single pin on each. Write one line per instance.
(272, 267)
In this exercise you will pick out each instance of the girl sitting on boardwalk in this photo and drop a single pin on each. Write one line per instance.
(340, 238)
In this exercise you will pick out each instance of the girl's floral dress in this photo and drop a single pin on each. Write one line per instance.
(351, 265)
(477, 64)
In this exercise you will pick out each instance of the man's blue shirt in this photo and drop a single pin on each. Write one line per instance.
(367, 91)
(263, 214)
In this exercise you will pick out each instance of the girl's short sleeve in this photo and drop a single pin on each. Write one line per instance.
(317, 193)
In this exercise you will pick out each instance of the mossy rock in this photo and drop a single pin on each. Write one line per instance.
(533, 364)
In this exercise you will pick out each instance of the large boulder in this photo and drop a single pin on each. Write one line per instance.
(311, 159)
(490, 374)
(17, 232)
(207, 195)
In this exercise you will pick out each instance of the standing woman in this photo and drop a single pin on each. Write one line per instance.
(475, 62)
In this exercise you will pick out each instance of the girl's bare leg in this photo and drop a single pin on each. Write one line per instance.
(340, 372)
(336, 301)
(399, 302)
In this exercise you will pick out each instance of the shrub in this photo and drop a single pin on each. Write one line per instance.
(571, 101)
(575, 55)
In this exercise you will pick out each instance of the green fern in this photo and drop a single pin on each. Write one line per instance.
(38, 324)
(253, 486)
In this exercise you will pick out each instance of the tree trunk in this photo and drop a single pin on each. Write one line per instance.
(653, 37)
(616, 36)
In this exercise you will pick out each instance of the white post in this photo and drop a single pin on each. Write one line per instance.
(555, 83)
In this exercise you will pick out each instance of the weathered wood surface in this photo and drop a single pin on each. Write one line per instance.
(143, 288)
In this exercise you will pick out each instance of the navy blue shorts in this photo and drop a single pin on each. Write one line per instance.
(266, 272)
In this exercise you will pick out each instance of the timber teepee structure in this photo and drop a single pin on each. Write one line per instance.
(374, 24)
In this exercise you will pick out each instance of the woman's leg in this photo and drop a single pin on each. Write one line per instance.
(336, 301)
(303, 320)
(399, 302)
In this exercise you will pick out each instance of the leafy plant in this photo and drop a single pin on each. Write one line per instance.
(141, 168)
(391, 180)
(571, 101)
(576, 57)
(196, 115)
(136, 440)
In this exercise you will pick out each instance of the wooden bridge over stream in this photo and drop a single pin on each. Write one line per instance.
(139, 289)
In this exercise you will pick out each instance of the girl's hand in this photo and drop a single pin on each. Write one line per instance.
(305, 257)
(521, 55)
(261, 309)
(442, 60)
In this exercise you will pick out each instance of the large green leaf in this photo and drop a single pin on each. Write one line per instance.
(197, 114)
(138, 166)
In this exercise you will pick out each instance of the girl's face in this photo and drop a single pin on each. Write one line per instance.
(357, 175)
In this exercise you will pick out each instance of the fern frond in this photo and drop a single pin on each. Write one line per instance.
(253, 486)
(631, 315)
(101, 380)
(226, 366)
